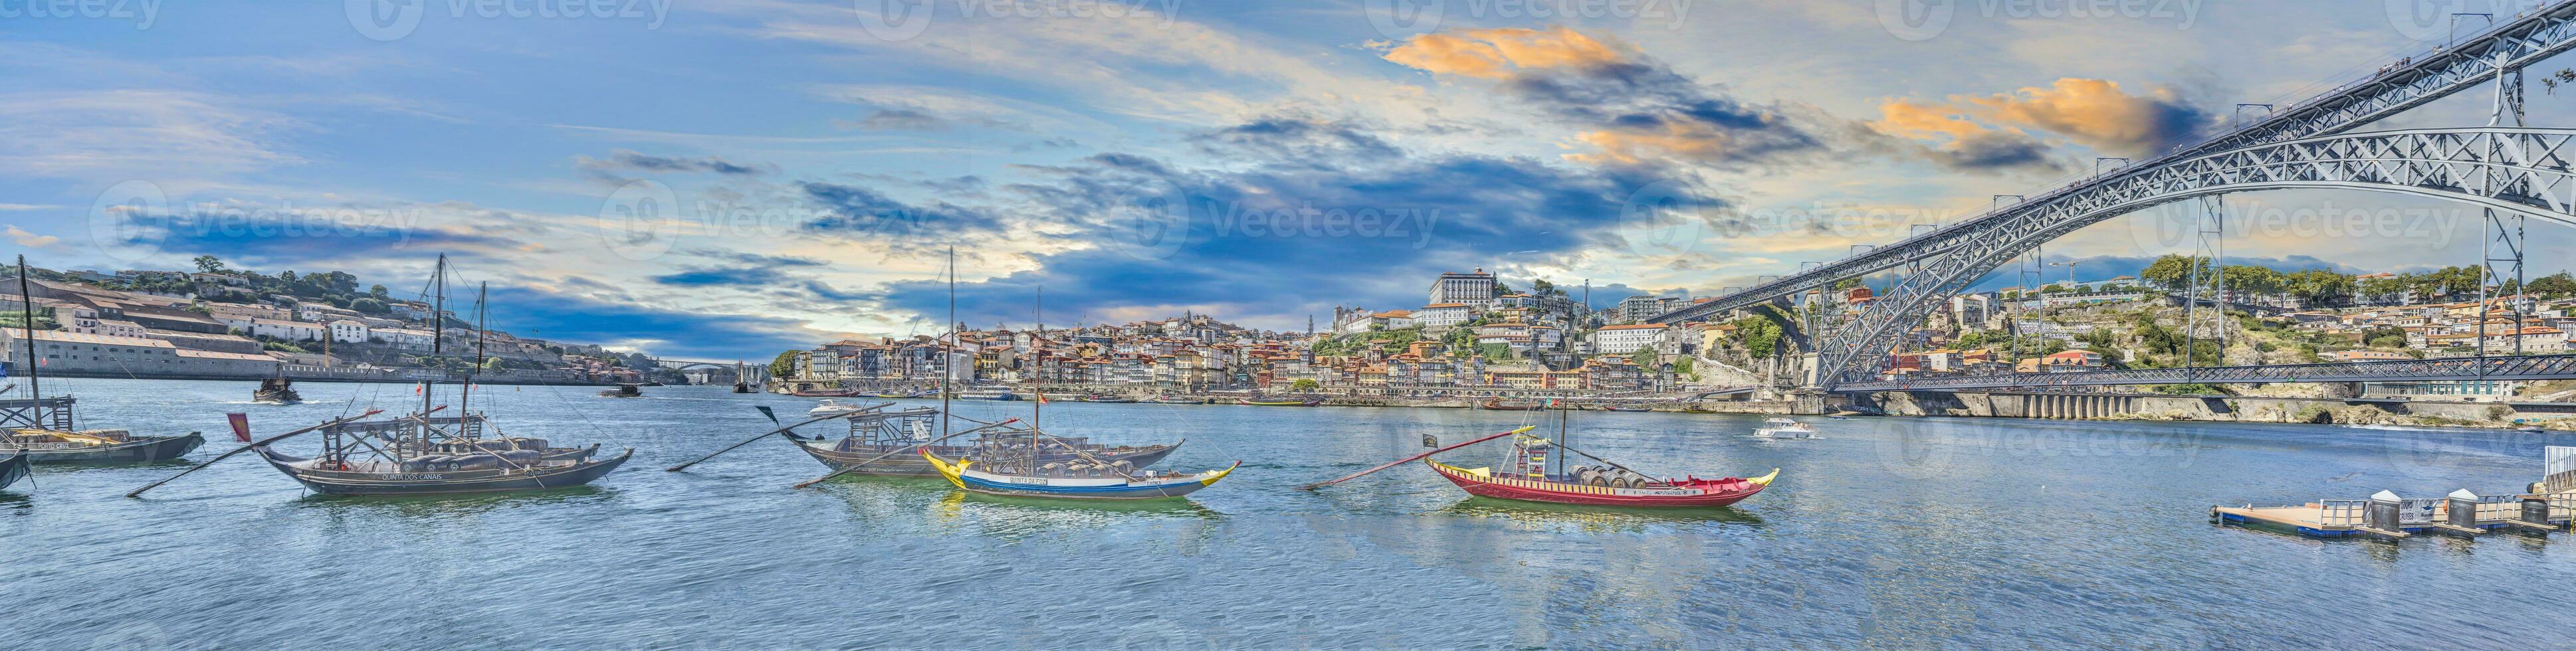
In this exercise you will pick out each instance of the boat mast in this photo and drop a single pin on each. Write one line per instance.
(466, 396)
(437, 339)
(27, 321)
(948, 356)
(1037, 312)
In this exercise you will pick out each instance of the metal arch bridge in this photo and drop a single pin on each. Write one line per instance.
(2531, 367)
(2513, 169)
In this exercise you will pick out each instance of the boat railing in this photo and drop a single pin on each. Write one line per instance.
(2344, 514)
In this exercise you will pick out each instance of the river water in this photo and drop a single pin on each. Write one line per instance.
(1881, 533)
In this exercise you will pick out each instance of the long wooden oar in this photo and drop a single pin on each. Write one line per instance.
(763, 435)
(1410, 459)
(273, 439)
(855, 466)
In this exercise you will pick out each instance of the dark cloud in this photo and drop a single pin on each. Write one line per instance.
(1993, 151)
(627, 160)
(902, 118)
(858, 211)
(1295, 138)
(1278, 239)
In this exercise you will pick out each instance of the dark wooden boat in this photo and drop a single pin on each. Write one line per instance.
(742, 387)
(825, 393)
(1109, 399)
(276, 390)
(623, 390)
(13, 469)
(1498, 404)
(1619, 408)
(43, 428)
(427, 456)
(873, 436)
(420, 454)
(1172, 400)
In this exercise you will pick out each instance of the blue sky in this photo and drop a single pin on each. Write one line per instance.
(727, 179)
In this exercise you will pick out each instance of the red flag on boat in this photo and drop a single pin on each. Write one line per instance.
(241, 425)
(1041, 397)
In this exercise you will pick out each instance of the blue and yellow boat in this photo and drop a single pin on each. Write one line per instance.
(1078, 479)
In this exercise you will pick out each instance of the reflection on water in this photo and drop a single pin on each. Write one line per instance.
(1886, 533)
(1594, 519)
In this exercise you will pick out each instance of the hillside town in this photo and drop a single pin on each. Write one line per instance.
(1476, 333)
(220, 323)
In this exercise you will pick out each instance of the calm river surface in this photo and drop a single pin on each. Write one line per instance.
(1881, 533)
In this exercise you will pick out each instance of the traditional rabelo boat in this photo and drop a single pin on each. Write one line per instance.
(1257, 401)
(1176, 400)
(825, 393)
(13, 469)
(888, 443)
(1109, 399)
(277, 390)
(424, 454)
(1079, 479)
(623, 390)
(1498, 404)
(44, 430)
(1533, 474)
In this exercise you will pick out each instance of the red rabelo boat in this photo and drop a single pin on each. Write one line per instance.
(1536, 474)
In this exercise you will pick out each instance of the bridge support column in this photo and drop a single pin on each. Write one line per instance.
(1807, 402)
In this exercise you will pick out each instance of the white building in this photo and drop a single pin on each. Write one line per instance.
(403, 338)
(1475, 288)
(349, 332)
(1613, 340)
(1443, 314)
(285, 330)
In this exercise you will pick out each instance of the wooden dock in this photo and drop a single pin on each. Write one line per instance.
(2345, 518)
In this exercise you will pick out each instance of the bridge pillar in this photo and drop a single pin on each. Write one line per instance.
(1807, 402)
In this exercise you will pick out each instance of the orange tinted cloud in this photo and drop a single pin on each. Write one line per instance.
(1499, 53)
(2094, 112)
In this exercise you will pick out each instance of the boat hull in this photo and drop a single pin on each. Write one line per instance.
(443, 483)
(147, 449)
(971, 480)
(13, 469)
(908, 463)
(1692, 493)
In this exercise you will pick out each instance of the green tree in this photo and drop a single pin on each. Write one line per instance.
(2557, 285)
(2175, 272)
(368, 306)
(783, 366)
(1761, 336)
(1304, 385)
(379, 293)
(210, 264)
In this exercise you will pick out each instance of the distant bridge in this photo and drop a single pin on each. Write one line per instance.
(2310, 144)
(2521, 368)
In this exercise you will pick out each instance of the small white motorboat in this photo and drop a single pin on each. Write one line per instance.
(1784, 428)
(832, 407)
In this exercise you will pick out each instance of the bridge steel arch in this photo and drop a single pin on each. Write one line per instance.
(2528, 171)
(2468, 63)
